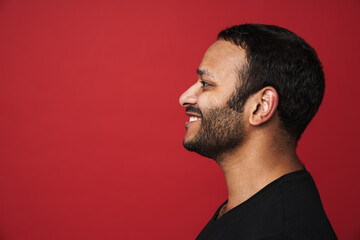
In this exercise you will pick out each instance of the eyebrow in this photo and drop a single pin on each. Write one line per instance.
(202, 72)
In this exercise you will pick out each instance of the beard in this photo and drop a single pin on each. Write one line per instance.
(221, 131)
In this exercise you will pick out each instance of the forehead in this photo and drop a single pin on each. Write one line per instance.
(222, 59)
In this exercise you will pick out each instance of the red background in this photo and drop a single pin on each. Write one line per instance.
(91, 129)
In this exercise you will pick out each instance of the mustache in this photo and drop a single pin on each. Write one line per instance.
(193, 110)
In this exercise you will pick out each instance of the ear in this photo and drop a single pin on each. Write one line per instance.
(263, 105)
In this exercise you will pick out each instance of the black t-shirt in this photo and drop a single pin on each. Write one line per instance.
(287, 208)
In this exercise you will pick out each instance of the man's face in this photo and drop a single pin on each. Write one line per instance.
(213, 127)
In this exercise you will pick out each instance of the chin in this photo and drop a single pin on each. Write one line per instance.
(187, 140)
(191, 134)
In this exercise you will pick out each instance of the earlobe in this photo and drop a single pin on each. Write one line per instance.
(265, 102)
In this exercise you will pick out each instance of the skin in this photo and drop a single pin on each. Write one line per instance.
(263, 155)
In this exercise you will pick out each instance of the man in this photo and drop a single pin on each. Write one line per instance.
(258, 88)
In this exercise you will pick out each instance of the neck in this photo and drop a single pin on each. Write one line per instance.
(253, 166)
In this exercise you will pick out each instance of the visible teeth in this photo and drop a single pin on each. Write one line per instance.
(193, 118)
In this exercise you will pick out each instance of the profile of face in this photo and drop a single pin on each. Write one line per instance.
(214, 128)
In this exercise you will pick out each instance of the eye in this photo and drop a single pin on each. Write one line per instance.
(204, 84)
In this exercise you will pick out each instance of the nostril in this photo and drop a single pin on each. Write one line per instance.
(185, 104)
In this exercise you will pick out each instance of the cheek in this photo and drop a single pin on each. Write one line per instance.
(209, 100)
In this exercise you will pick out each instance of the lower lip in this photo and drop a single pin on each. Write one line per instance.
(187, 123)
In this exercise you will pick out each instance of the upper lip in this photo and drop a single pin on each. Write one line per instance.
(193, 114)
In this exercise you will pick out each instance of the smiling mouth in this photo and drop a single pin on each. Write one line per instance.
(194, 114)
(194, 118)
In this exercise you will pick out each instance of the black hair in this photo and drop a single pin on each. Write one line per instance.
(279, 58)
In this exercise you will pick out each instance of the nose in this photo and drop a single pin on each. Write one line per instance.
(189, 97)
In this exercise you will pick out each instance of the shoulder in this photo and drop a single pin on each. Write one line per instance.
(304, 215)
(288, 208)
